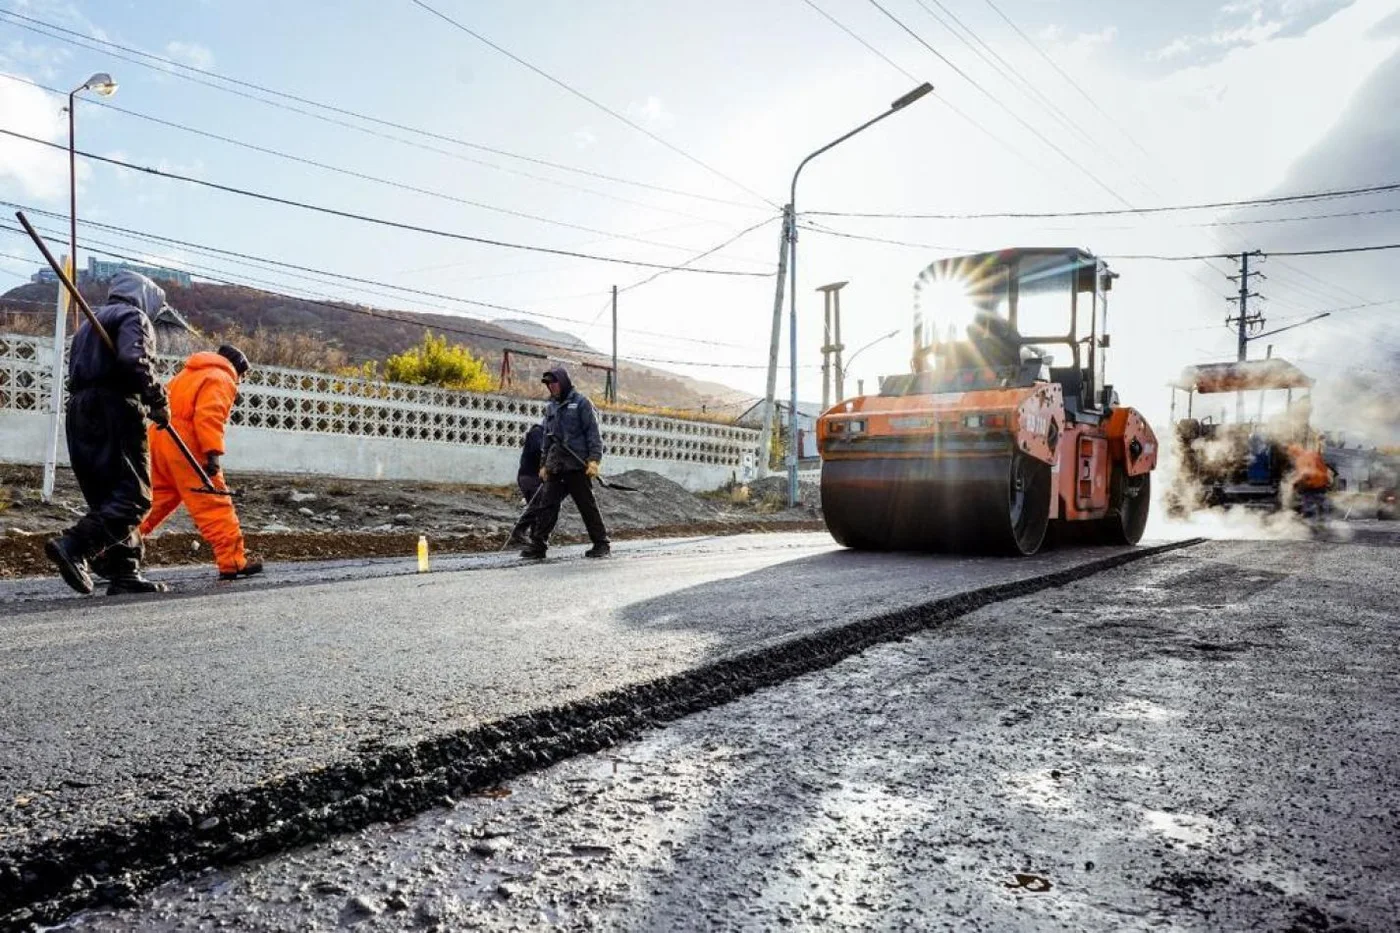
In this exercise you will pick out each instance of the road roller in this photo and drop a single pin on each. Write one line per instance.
(1005, 433)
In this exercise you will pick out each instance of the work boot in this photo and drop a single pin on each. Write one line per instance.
(517, 539)
(534, 552)
(131, 583)
(250, 569)
(599, 550)
(71, 565)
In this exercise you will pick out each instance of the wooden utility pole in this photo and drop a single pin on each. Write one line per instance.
(614, 372)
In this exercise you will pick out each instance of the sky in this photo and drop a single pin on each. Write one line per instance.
(697, 114)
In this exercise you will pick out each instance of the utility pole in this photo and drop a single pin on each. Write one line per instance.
(831, 299)
(765, 434)
(1245, 322)
(614, 372)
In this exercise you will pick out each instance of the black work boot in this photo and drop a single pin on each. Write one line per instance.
(534, 551)
(131, 583)
(250, 569)
(72, 566)
(599, 550)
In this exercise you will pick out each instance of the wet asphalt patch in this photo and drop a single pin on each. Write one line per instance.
(111, 865)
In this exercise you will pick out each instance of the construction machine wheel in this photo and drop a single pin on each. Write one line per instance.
(1129, 499)
(998, 504)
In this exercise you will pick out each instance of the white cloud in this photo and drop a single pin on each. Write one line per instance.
(190, 53)
(652, 111)
(40, 172)
(585, 138)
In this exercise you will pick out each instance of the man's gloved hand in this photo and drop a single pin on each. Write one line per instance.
(159, 414)
(211, 465)
(593, 469)
(544, 475)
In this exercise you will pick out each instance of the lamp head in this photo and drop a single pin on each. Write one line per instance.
(102, 83)
(912, 96)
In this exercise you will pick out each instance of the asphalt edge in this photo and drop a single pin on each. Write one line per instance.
(110, 865)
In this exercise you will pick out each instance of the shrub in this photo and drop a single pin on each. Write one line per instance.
(439, 363)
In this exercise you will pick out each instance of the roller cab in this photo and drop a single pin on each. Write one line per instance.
(987, 445)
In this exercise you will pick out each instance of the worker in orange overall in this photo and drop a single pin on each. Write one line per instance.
(1312, 477)
(201, 398)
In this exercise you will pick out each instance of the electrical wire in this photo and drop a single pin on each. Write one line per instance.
(998, 102)
(698, 256)
(1043, 215)
(364, 176)
(595, 103)
(189, 73)
(291, 269)
(379, 221)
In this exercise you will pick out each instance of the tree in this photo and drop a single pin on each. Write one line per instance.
(439, 363)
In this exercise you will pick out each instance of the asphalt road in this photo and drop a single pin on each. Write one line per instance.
(115, 711)
(1206, 740)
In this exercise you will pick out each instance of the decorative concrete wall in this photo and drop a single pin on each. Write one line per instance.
(289, 421)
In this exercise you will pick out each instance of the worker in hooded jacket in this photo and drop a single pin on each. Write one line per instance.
(573, 453)
(201, 399)
(110, 395)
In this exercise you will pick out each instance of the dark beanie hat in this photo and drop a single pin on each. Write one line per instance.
(236, 357)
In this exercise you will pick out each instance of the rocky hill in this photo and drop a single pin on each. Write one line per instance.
(325, 335)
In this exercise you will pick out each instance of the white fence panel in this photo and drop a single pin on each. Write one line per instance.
(290, 421)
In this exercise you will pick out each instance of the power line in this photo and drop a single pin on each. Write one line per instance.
(938, 96)
(231, 255)
(698, 256)
(994, 99)
(1072, 83)
(189, 73)
(379, 221)
(403, 186)
(1043, 215)
(595, 103)
(503, 335)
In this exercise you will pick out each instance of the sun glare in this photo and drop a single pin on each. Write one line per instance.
(949, 308)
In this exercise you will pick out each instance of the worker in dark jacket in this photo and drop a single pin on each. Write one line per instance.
(573, 453)
(527, 478)
(109, 398)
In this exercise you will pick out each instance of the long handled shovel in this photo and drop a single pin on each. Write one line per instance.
(516, 527)
(207, 488)
(620, 487)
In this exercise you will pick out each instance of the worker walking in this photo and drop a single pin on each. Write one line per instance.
(201, 399)
(573, 453)
(527, 479)
(110, 395)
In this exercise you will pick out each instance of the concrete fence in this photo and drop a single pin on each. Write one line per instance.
(290, 421)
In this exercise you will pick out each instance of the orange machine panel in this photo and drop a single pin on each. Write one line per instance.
(1131, 441)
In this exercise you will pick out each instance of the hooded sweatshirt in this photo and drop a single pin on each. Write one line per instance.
(132, 301)
(201, 398)
(570, 422)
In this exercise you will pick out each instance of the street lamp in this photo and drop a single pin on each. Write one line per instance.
(790, 231)
(100, 83)
(880, 339)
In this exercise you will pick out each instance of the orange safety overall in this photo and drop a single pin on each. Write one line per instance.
(201, 398)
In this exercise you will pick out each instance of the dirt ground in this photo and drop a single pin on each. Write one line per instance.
(314, 517)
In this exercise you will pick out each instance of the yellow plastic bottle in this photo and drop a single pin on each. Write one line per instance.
(422, 553)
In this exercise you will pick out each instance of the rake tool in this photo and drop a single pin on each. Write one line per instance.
(208, 488)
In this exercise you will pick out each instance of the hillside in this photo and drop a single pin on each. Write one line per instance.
(281, 330)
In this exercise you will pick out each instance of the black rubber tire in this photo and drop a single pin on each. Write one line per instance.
(1129, 500)
(1028, 503)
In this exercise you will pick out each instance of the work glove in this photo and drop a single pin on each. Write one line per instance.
(544, 474)
(159, 414)
(211, 465)
(593, 469)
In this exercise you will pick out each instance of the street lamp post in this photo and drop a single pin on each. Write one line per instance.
(790, 214)
(103, 84)
(881, 339)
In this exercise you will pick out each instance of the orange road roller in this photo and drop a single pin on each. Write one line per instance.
(1005, 432)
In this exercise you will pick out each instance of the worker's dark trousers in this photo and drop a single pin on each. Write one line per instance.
(541, 517)
(529, 484)
(111, 459)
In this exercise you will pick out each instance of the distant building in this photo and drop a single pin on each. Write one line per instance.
(100, 270)
(807, 414)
